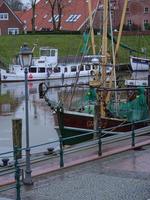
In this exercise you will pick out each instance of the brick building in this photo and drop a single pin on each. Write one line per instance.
(9, 21)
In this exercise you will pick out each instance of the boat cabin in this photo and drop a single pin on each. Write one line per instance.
(48, 57)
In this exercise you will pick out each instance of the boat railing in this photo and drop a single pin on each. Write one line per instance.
(13, 165)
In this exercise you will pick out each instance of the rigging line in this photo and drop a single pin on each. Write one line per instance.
(77, 78)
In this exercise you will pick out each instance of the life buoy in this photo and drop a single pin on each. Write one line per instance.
(30, 76)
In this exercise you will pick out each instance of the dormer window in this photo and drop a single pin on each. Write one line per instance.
(56, 18)
(45, 16)
(73, 18)
(3, 16)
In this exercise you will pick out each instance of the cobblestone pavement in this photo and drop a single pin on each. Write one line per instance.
(124, 176)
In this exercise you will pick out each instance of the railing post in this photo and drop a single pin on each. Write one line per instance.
(61, 152)
(17, 174)
(133, 134)
(99, 142)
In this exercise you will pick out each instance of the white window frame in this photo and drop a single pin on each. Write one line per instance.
(129, 22)
(56, 18)
(73, 18)
(4, 16)
(146, 10)
(145, 21)
(13, 31)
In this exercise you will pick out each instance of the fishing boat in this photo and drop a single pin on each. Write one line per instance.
(113, 110)
(139, 63)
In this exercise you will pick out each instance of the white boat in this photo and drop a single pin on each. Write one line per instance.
(138, 79)
(139, 63)
(38, 70)
(47, 67)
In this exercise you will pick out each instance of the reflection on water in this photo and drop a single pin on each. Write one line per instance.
(41, 124)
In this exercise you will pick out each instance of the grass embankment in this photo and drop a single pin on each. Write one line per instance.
(66, 44)
(6, 99)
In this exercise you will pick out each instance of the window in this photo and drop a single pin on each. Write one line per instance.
(45, 52)
(87, 67)
(81, 68)
(41, 61)
(73, 18)
(145, 21)
(13, 31)
(52, 52)
(146, 10)
(95, 66)
(65, 70)
(56, 18)
(41, 70)
(73, 68)
(3, 16)
(129, 22)
(56, 69)
(32, 69)
(45, 16)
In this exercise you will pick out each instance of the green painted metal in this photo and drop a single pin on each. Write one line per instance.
(99, 142)
(61, 152)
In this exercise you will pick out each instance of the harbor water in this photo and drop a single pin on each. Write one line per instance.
(41, 124)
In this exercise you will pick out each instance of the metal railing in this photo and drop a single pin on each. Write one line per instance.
(16, 167)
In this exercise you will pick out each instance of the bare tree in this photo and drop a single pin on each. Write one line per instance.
(57, 7)
(15, 5)
(33, 6)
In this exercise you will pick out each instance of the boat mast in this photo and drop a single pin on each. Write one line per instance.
(105, 97)
(121, 26)
(117, 47)
(91, 27)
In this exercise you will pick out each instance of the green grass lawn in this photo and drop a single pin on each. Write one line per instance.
(66, 44)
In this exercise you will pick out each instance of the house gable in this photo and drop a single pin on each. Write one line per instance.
(9, 20)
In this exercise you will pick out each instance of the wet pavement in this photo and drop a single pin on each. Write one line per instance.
(123, 176)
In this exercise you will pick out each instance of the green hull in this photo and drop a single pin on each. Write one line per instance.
(75, 135)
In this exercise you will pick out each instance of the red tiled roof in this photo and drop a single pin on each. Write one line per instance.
(43, 12)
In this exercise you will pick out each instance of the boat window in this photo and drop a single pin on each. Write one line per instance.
(32, 69)
(52, 52)
(41, 61)
(41, 69)
(87, 67)
(45, 52)
(95, 66)
(81, 68)
(137, 60)
(56, 69)
(73, 68)
(65, 70)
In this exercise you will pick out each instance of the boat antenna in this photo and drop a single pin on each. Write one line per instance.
(34, 46)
